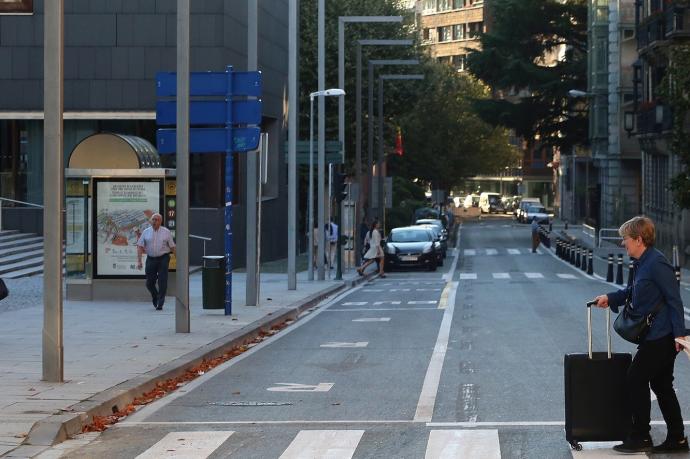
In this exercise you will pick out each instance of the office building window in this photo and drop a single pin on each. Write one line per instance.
(16, 6)
(459, 32)
(443, 5)
(443, 33)
(426, 34)
(474, 29)
(429, 4)
(457, 4)
(458, 62)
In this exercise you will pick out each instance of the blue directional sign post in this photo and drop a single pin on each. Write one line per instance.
(228, 106)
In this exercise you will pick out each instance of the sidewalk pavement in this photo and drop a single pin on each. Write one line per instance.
(114, 352)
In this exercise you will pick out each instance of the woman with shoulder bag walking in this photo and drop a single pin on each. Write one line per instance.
(658, 319)
(375, 251)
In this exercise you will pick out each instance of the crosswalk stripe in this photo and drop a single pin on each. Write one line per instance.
(468, 275)
(470, 252)
(514, 251)
(501, 275)
(534, 275)
(567, 276)
(331, 444)
(601, 450)
(491, 252)
(187, 445)
(450, 444)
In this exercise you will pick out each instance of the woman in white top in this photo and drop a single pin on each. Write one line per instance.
(374, 252)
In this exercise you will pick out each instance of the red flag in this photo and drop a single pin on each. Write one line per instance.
(398, 143)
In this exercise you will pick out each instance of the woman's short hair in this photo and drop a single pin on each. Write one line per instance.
(639, 227)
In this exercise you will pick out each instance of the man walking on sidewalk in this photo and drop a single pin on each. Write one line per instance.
(157, 242)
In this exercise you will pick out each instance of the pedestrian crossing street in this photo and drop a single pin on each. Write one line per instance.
(498, 252)
(343, 444)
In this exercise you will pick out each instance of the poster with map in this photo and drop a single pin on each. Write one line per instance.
(122, 212)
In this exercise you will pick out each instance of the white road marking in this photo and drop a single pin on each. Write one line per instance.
(376, 303)
(443, 303)
(399, 290)
(601, 450)
(186, 445)
(451, 444)
(427, 398)
(501, 275)
(427, 290)
(294, 387)
(539, 251)
(468, 276)
(372, 319)
(330, 444)
(491, 252)
(534, 275)
(355, 303)
(514, 251)
(422, 302)
(470, 252)
(372, 290)
(346, 345)
(566, 276)
(380, 309)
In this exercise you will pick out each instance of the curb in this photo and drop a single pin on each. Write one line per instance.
(61, 426)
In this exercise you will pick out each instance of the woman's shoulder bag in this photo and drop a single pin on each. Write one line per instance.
(633, 326)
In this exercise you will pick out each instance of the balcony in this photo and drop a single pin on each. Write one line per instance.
(654, 118)
(675, 20)
(651, 31)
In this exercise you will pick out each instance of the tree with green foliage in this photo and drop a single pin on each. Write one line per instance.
(537, 49)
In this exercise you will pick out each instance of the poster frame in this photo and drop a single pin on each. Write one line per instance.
(94, 216)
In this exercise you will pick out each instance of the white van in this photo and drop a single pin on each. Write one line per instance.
(490, 202)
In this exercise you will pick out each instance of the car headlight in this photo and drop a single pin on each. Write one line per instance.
(390, 249)
(427, 249)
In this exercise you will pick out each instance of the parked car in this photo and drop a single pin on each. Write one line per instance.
(524, 204)
(442, 241)
(490, 202)
(439, 228)
(471, 200)
(411, 246)
(538, 212)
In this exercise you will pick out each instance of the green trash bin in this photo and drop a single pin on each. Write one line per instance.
(213, 282)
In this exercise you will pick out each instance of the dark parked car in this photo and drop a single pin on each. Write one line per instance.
(439, 229)
(411, 246)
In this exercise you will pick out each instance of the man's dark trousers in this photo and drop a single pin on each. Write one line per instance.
(157, 270)
(653, 367)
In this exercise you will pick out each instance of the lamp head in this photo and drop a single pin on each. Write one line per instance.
(577, 93)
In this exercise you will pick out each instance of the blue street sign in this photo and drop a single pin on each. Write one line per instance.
(210, 112)
(210, 140)
(212, 83)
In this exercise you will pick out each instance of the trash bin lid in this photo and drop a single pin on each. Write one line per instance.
(213, 257)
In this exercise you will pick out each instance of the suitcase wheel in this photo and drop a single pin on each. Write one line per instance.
(576, 446)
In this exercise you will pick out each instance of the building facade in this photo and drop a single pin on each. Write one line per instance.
(113, 50)
(661, 26)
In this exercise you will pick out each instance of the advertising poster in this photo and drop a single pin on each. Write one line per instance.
(123, 210)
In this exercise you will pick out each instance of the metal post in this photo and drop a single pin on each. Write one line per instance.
(53, 189)
(310, 200)
(182, 316)
(321, 136)
(358, 153)
(251, 227)
(379, 167)
(292, 146)
(370, 138)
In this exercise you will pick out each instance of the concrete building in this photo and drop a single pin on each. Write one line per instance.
(660, 27)
(113, 50)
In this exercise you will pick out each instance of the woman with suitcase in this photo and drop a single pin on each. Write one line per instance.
(655, 295)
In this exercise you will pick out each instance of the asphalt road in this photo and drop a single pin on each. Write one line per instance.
(466, 362)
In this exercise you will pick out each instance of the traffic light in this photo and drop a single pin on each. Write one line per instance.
(339, 186)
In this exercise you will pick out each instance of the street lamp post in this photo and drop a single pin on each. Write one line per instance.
(358, 110)
(381, 156)
(310, 250)
(292, 145)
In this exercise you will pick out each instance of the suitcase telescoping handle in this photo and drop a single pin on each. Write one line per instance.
(589, 328)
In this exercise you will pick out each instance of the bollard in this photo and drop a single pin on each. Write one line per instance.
(548, 239)
(566, 224)
(572, 254)
(619, 271)
(578, 251)
(630, 272)
(609, 271)
(676, 263)
(677, 270)
(584, 259)
(558, 248)
(590, 266)
(550, 227)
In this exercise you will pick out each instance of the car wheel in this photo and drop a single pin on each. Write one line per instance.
(440, 263)
(432, 266)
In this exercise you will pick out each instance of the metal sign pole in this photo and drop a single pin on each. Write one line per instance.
(251, 221)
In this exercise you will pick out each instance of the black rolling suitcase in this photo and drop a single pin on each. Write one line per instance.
(595, 397)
